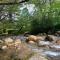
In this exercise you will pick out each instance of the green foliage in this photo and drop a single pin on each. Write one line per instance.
(45, 18)
(8, 1)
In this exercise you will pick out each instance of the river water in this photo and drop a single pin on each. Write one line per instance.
(51, 54)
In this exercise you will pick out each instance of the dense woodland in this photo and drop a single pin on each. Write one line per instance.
(33, 16)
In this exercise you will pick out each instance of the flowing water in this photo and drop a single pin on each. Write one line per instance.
(51, 54)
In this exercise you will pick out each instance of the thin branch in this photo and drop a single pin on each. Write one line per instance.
(12, 3)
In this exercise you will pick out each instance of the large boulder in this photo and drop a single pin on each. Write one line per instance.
(31, 38)
(41, 38)
(34, 38)
(51, 38)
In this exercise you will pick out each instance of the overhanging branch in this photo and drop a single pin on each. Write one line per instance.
(13, 3)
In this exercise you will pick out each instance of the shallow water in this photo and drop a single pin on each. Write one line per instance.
(56, 46)
(51, 54)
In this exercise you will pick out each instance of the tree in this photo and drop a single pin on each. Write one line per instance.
(8, 11)
(24, 20)
(44, 20)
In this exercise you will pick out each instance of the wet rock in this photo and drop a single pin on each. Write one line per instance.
(51, 38)
(31, 42)
(41, 34)
(26, 34)
(8, 40)
(18, 41)
(58, 42)
(41, 38)
(55, 47)
(43, 43)
(57, 33)
(31, 38)
(4, 47)
(34, 38)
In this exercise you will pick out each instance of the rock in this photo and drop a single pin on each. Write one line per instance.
(43, 43)
(44, 34)
(8, 40)
(34, 38)
(57, 33)
(51, 38)
(41, 34)
(41, 38)
(26, 34)
(31, 38)
(31, 42)
(4, 47)
(18, 41)
(55, 47)
(58, 42)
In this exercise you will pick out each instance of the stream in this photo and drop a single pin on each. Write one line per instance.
(51, 54)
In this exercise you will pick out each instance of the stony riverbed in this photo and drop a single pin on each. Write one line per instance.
(44, 50)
